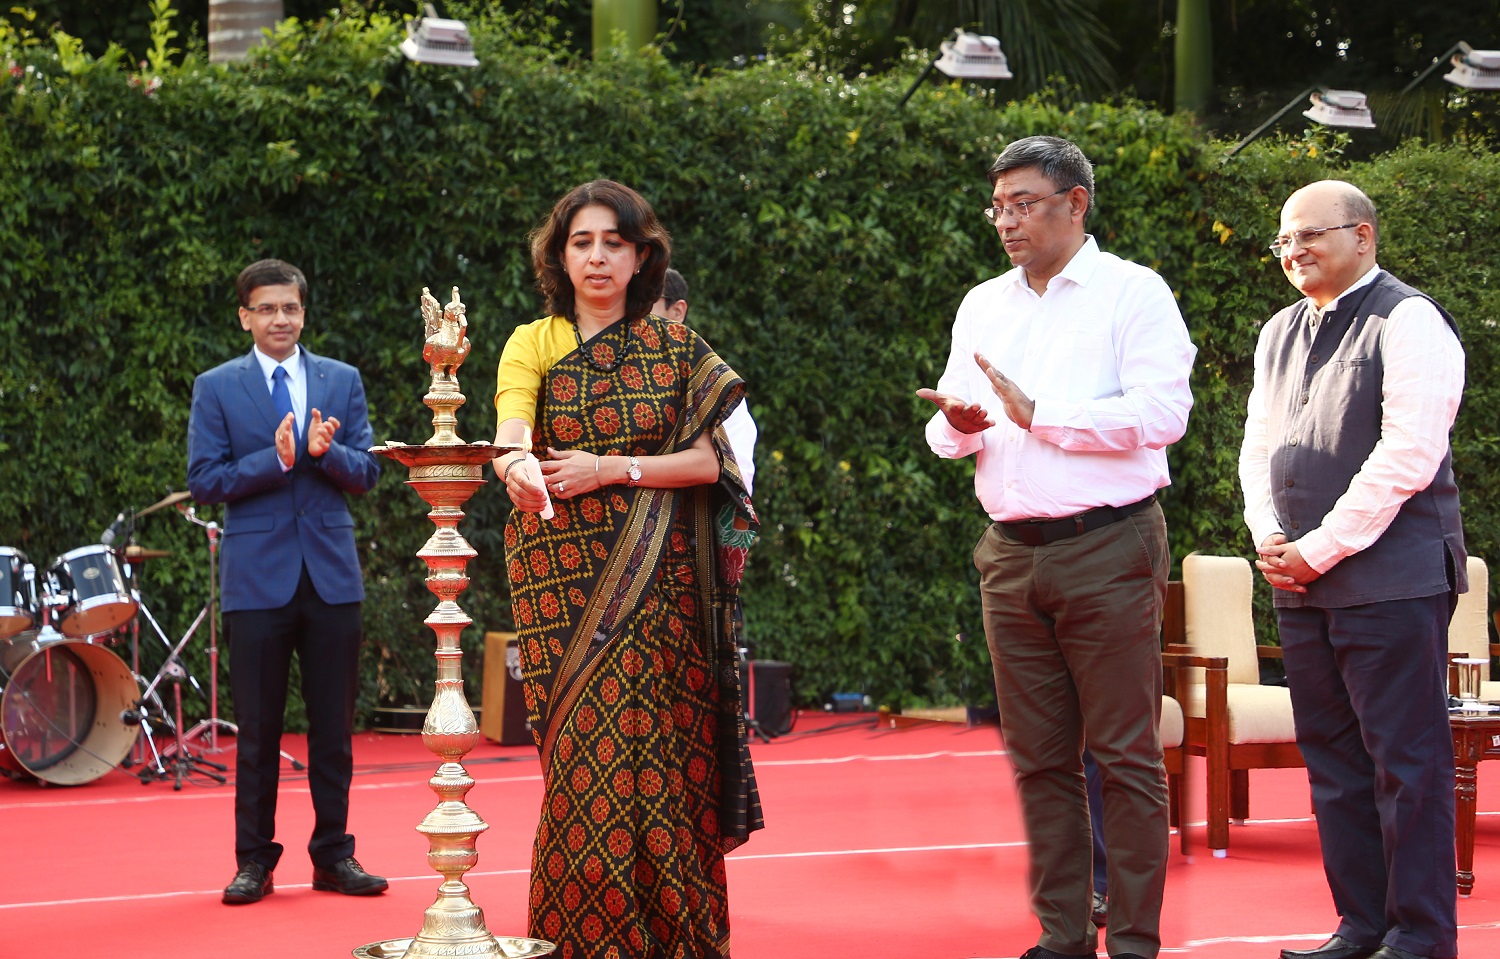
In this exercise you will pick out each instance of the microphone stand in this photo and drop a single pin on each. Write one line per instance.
(213, 723)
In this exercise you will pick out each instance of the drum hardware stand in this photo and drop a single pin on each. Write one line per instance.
(182, 763)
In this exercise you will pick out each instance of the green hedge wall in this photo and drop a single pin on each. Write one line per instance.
(828, 237)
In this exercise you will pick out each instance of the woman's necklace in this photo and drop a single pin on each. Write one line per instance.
(588, 352)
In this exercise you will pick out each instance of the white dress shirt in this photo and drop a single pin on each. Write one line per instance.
(742, 435)
(296, 384)
(1105, 356)
(1422, 384)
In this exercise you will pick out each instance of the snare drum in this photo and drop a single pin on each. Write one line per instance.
(89, 580)
(17, 605)
(60, 709)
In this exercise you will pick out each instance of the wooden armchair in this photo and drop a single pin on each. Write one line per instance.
(1231, 720)
(1469, 632)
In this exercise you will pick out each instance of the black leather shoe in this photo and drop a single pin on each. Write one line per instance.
(1100, 915)
(1337, 947)
(1391, 952)
(1042, 952)
(348, 877)
(251, 884)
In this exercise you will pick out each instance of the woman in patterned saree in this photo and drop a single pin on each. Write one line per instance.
(624, 600)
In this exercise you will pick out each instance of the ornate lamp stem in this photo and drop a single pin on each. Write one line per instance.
(445, 471)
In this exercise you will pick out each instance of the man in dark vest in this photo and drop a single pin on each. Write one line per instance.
(1349, 496)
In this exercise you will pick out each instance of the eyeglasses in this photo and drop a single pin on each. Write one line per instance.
(271, 309)
(1021, 210)
(1306, 239)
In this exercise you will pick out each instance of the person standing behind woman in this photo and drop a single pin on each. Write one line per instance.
(672, 305)
(622, 599)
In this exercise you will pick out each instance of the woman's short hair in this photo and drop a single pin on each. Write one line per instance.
(638, 225)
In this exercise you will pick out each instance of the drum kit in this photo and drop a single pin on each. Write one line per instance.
(71, 708)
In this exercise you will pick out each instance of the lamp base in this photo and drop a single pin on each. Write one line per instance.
(506, 947)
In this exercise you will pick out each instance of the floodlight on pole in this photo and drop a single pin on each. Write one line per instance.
(1472, 69)
(968, 56)
(432, 39)
(1334, 108)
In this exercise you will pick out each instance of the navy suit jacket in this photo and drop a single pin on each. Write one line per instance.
(276, 521)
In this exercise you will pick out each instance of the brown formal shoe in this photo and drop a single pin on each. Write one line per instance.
(251, 884)
(348, 877)
(1337, 947)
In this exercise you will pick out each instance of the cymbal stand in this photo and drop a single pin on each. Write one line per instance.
(182, 763)
(213, 723)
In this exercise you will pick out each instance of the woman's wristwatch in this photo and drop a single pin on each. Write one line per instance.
(633, 473)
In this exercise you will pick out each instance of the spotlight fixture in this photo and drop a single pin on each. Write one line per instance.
(1340, 108)
(968, 56)
(1475, 69)
(973, 55)
(1334, 108)
(433, 39)
(1472, 69)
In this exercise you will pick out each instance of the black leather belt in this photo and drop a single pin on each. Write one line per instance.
(1040, 532)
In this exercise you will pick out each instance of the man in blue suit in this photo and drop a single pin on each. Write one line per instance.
(280, 436)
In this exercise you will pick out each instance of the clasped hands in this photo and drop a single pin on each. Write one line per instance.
(971, 417)
(319, 436)
(566, 473)
(1281, 563)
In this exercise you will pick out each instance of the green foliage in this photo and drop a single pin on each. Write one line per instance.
(827, 238)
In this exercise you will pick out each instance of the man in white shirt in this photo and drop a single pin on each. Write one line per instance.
(673, 305)
(1350, 498)
(1068, 378)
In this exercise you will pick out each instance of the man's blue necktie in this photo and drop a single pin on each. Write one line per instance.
(281, 397)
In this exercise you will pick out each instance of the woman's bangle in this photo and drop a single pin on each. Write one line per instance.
(596, 470)
(505, 476)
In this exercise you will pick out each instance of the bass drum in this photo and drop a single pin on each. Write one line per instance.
(60, 709)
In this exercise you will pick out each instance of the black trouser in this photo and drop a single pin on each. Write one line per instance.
(325, 638)
(1370, 701)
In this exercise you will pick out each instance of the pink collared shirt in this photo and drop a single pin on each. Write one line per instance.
(1105, 356)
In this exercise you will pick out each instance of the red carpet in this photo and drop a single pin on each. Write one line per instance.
(881, 844)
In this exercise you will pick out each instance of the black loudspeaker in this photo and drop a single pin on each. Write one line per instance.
(770, 695)
(503, 714)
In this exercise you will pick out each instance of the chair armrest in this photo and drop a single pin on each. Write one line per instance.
(1216, 674)
(1185, 659)
(1268, 652)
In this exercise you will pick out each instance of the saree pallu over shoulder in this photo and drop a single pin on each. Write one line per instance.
(627, 613)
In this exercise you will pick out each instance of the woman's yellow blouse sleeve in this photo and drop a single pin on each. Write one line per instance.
(529, 353)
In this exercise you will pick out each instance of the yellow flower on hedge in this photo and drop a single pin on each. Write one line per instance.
(1222, 232)
(776, 455)
(844, 465)
(1157, 153)
(854, 136)
(1312, 151)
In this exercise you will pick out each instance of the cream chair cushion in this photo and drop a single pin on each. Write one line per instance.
(1469, 632)
(1216, 615)
(1257, 714)
(1171, 723)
